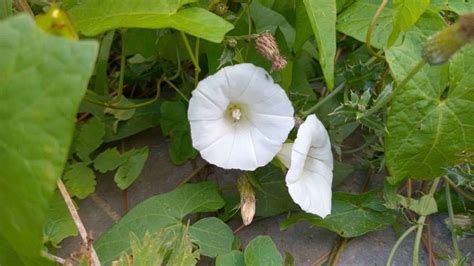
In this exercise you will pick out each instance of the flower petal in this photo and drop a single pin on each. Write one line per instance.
(206, 133)
(238, 78)
(201, 107)
(272, 126)
(285, 154)
(312, 193)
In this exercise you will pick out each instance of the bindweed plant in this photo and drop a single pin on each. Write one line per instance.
(293, 95)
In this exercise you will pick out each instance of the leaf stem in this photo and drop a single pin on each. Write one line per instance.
(324, 100)
(420, 224)
(77, 220)
(177, 90)
(197, 70)
(449, 204)
(190, 51)
(458, 190)
(368, 39)
(397, 244)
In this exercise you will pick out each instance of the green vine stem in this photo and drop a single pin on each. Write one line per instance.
(177, 90)
(197, 70)
(397, 244)
(190, 51)
(368, 39)
(122, 68)
(420, 224)
(324, 100)
(458, 190)
(449, 204)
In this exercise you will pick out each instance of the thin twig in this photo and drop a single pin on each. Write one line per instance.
(449, 204)
(322, 259)
(104, 206)
(341, 248)
(458, 190)
(53, 257)
(77, 220)
(239, 228)
(22, 5)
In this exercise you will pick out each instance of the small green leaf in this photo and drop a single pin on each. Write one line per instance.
(183, 254)
(322, 16)
(261, 251)
(59, 224)
(141, 41)
(149, 251)
(233, 258)
(174, 123)
(109, 160)
(92, 17)
(89, 137)
(430, 122)
(80, 180)
(425, 205)
(303, 32)
(405, 14)
(131, 168)
(158, 212)
(213, 236)
(43, 79)
(351, 215)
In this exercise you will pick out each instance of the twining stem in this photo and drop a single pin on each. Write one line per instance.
(190, 52)
(458, 190)
(249, 22)
(324, 100)
(243, 37)
(397, 244)
(122, 69)
(196, 69)
(368, 39)
(449, 204)
(193, 174)
(177, 90)
(420, 224)
(77, 220)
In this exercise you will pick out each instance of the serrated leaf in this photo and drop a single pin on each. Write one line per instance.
(59, 224)
(213, 236)
(92, 17)
(88, 138)
(174, 123)
(183, 254)
(322, 16)
(151, 250)
(405, 14)
(79, 180)
(131, 168)
(430, 121)
(351, 215)
(158, 212)
(262, 251)
(43, 79)
(233, 258)
(109, 160)
(121, 114)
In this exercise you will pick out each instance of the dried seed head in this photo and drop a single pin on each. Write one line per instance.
(462, 221)
(279, 62)
(443, 45)
(221, 9)
(267, 46)
(247, 200)
(298, 121)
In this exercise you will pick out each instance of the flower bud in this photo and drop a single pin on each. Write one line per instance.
(444, 44)
(221, 9)
(279, 62)
(247, 200)
(267, 46)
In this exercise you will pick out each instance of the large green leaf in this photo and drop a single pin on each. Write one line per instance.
(351, 215)
(262, 252)
(405, 15)
(162, 211)
(354, 21)
(43, 78)
(322, 16)
(233, 258)
(213, 236)
(6, 8)
(92, 17)
(430, 122)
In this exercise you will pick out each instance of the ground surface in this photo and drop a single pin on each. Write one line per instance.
(307, 244)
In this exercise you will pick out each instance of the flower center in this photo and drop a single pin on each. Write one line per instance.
(235, 112)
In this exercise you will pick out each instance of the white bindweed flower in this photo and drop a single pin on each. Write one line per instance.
(310, 163)
(239, 117)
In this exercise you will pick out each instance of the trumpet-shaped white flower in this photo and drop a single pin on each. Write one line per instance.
(310, 163)
(239, 117)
